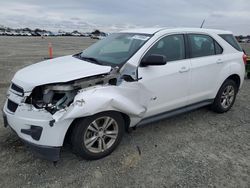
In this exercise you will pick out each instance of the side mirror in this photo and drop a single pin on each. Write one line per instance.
(153, 60)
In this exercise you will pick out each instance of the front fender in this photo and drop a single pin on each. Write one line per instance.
(131, 98)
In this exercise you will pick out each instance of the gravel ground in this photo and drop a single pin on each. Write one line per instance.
(197, 149)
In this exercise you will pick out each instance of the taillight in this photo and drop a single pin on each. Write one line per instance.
(245, 58)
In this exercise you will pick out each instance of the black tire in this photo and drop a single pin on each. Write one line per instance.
(219, 105)
(83, 129)
(248, 75)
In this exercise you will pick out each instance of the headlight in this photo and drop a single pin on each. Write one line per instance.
(52, 97)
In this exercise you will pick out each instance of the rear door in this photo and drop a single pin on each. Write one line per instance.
(206, 63)
(169, 83)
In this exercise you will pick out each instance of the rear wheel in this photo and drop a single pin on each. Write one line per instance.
(97, 136)
(225, 97)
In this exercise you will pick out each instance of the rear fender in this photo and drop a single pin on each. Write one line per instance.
(227, 71)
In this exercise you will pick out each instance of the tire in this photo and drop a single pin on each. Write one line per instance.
(92, 140)
(248, 75)
(225, 97)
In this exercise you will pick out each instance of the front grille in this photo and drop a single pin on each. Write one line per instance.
(17, 89)
(11, 106)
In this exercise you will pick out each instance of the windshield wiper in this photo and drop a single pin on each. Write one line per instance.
(92, 59)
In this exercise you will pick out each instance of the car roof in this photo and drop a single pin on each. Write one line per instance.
(172, 30)
(143, 30)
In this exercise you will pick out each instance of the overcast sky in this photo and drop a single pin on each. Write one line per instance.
(112, 15)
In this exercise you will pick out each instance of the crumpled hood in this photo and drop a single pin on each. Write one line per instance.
(62, 69)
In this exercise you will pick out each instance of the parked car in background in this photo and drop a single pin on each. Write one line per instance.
(99, 37)
(245, 40)
(128, 79)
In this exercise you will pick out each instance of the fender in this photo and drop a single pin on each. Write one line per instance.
(239, 69)
(228, 70)
(131, 98)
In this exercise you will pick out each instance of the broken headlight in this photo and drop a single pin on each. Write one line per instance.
(52, 97)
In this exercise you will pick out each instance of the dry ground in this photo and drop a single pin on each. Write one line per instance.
(197, 149)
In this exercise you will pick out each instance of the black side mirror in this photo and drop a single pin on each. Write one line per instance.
(154, 60)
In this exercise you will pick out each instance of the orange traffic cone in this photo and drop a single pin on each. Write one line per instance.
(50, 51)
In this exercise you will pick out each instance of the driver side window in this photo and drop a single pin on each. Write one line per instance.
(173, 47)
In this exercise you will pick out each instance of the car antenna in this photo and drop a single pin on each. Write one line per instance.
(202, 23)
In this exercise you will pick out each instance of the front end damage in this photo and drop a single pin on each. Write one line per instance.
(55, 97)
(42, 117)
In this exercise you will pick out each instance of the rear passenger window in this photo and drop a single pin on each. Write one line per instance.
(203, 45)
(172, 47)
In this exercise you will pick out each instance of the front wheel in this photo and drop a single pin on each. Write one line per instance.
(225, 97)
(97, 136)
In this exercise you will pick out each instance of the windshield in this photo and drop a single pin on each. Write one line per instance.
(115, 49)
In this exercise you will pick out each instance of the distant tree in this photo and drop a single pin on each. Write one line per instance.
(37, 30)
(27, 29)
(96, 32)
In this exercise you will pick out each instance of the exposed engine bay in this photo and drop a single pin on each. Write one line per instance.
(54, 97)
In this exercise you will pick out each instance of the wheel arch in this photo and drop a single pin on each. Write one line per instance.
(236, 78)
(69, 131)
(233, 76)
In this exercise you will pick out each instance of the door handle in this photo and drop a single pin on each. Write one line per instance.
(184, 69)
(219, 61)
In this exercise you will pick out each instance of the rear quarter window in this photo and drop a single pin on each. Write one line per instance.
(230, 39)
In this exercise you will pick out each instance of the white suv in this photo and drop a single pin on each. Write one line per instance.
(128, 79)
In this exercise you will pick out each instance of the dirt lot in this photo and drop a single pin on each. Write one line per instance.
(197, 149)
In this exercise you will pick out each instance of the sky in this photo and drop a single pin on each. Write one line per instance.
(114, 15)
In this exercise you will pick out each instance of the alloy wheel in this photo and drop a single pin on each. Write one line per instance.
(227, 97)
(101, 134)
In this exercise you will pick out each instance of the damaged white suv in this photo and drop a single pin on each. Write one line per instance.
(128, 79)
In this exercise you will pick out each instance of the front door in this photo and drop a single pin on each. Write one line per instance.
(169, 83)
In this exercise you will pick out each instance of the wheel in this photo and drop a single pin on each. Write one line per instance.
(225, 97)
(248, 75)
(97, 136)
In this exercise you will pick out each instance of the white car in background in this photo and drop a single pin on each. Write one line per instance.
(128, 79)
